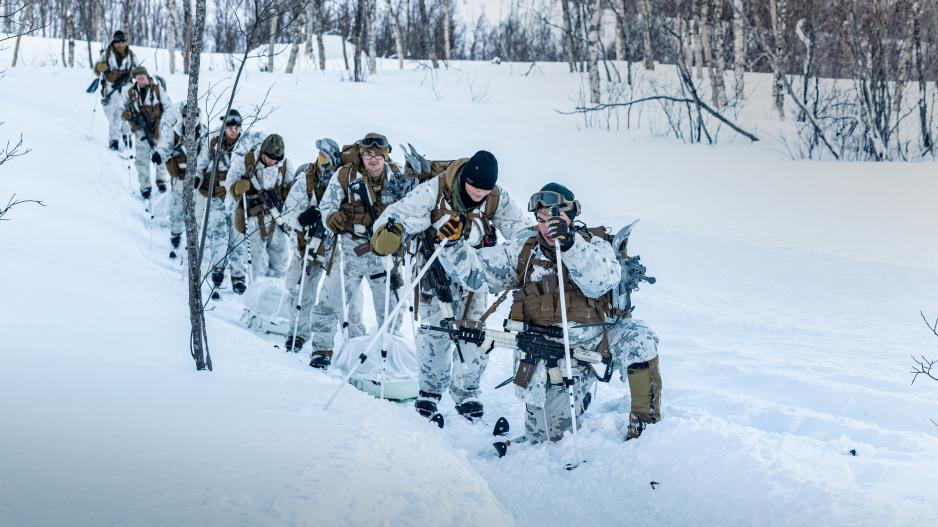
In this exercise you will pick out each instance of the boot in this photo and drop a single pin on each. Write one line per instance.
(320, 359)
(645, 388)
(218, 276)
(238, 284)
(113, 144)
(126, 139)
(161, 185)
(145, 193)
(636, 426)
(471, 409)
(295, 345)
(426, 403)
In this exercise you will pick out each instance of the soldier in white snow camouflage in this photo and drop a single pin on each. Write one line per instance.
(260, 186)
(305, 219)
(114, 66)
(171, 150)
(225, 245)
(143, 108)
(347, 216)
(527, 265)
(466, 194)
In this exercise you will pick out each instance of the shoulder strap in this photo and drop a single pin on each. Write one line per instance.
(491, 203)
(524, 258)
(249, 163)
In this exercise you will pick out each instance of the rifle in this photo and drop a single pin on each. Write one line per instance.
(143, 124)
(439, 283)
(315, 237)
(536, 343)
(118, 84)
(358, 188)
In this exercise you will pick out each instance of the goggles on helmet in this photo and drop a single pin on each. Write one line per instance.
(549, 199)
(373, 142)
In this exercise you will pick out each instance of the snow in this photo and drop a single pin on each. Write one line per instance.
(787, 302)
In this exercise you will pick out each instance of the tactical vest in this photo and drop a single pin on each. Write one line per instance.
(114, 75)
(539, 301)
(256, 208)
(151, 113)
(176, 164)
(219, 190)
(354, 209)
(445, 199)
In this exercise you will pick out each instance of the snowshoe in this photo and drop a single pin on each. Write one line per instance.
(294, 344)
(238, 285)
(471, 409)
(320, 359)
(501, 427)
(145, 193)
(127, 143)
(113, 145)
(161, 185)
(426, 404)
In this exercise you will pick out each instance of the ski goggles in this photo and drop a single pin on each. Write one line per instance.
(233, 120)
(546, 199)
(374, 142)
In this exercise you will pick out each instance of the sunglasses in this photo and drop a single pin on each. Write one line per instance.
(548, 198)
(374, 142)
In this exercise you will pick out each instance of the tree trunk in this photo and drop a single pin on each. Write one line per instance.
(357, 38)
(919, 64)
(739, 49)
(173, 29)
(272, 42)
(426, 35)
(25, 21)
(70, 22)
(778, 12)
(300, 37)
(696, 40)
(398, 38)
(569, 40)
(716, 65)
(596, 15)
(64, 23)
(320, 45)
(372, 18)
(310, 30)
(649, 59)
(125, 20)
(199, 339)
(186, 34)
(446, 37)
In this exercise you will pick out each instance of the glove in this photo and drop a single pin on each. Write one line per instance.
(452, 229)
(309, 217)
(559, 230)
(387, 240)
(240, 187)
(336, 222)
(156, 158)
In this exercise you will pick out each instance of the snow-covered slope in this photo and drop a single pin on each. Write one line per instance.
(787, 302)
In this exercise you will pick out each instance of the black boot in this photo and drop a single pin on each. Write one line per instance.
(470, 409)
(238, 284)
(218, 276)
(295, 345)
(145, 193)
(321, 359)
(426, 404)
(113, 145)
(126, 139)
(161, 185)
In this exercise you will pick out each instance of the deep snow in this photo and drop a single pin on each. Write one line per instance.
(787, 302)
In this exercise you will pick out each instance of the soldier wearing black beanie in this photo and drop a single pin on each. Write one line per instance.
(480, 171)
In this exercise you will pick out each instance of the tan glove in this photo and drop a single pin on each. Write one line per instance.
(337, 221)
(387, 240)
(452, 229)
(239, 188)
(100, 67)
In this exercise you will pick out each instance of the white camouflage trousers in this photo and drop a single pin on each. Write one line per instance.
(552, 419)
(307, 301)
(142, 162)
(113, 108)
(440, 367)
(222, 238)
(268, 255)
(328, 309)
(176, 219)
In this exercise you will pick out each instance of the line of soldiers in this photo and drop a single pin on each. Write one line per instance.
(356, 206)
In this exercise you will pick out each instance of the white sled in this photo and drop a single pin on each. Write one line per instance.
(267, 308)
(400, 371)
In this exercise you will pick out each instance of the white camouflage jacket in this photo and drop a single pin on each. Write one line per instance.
(245, 142)
(395, 188)
(413, 211)
(171, 124)
(268, 177)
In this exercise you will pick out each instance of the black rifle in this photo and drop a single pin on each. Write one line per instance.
(536, 344)
(358, 188)
(118, 84)
(438, 282)
(144, 125)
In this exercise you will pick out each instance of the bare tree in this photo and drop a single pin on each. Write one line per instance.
(320, 46)
(778, 12)
(398, 38)
(171, 35)
(739, 48)
(371, 15)
(649, 59)
(596, 13)
(570, 40)
(446, 35)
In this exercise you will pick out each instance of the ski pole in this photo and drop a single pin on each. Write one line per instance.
(247, 244)
(566, 354)
(387, 306)
(345, 324)
(299, 296)
(387, 322)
